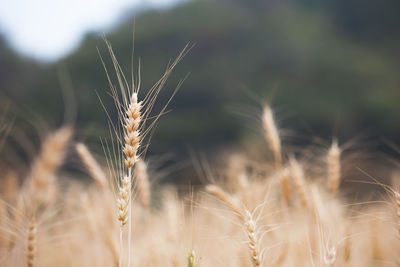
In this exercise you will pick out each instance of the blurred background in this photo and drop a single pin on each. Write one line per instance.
(328, 68)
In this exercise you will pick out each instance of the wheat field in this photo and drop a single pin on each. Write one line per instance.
(286, 211)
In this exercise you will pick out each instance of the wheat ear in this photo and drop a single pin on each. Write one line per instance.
(246, 218)
(31, 243)
(272, 135)
(142, 183)
(41, 182)
(252, 235)
(334, 168)
(132, 134)
(91, 165)
(299, 180)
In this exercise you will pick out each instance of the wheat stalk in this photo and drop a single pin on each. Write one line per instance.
(133, 120)
(132, 137)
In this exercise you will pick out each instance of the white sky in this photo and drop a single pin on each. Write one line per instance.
(49, 29)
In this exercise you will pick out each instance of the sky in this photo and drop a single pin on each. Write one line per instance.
(49, 29)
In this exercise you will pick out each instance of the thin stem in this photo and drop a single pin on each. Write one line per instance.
(120, 247)
(130, 216)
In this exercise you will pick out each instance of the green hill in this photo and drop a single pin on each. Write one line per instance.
(322, 74)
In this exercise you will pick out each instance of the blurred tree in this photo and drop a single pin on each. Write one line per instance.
(331, 64)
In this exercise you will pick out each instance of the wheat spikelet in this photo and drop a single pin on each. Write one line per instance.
(299, 181)
(31, 243)
(334, 169)
(272, 135)
(92, 165)
(252, 235)
(41, 182)
(142, 183)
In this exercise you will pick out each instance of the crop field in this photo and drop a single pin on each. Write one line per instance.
(287, 209)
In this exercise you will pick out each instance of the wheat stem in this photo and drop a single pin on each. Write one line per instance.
(130, 216)
(121, 247)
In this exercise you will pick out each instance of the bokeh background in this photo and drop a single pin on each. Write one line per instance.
(329, 68)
